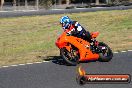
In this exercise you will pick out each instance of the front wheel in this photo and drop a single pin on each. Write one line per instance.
(106, 53)
(71, 58)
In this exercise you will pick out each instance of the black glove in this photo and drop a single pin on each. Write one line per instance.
(68, 34)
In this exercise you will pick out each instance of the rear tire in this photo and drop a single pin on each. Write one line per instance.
(69, 60)
(109, 53)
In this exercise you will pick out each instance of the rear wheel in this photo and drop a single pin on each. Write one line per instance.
(105, 54)
(71, 58)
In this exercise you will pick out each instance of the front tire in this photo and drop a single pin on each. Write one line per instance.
(66, 55)
(105, 55)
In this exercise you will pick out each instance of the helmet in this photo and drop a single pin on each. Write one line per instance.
(65, 21)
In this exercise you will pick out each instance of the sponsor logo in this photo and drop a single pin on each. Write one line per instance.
(83, 78)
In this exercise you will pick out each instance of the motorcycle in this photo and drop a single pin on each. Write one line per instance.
(74, 50)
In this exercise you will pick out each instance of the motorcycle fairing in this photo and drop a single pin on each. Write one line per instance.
(85, 52)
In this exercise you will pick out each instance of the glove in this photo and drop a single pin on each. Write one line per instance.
(68, 34)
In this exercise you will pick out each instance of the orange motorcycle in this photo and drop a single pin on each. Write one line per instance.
(74, 50)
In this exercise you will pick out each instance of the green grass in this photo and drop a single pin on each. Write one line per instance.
(24, 39)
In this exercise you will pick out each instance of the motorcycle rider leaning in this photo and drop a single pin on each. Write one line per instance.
(73, 28)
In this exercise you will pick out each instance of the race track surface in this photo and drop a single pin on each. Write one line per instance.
(53, 75)
(48, 12)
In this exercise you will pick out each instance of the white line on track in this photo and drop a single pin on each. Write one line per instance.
(14, 65)
(123, 51)
(20, 11)
(5, 66)
(46, 61)
(129, 50)
(43, 62)
(21, 64)
(24, 64)
(38, 62)
(116, 52)
(29, 63)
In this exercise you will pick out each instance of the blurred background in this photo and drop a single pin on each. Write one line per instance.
(18, 5)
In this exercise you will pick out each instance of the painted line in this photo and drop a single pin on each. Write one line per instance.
(129, 50)
(5, 66)
(43, 61)
(46, 61)
(38, 62)
(29, 63)
(116, 52)
(123, 51)
(14, 65)
(20, 11)
(22, 64)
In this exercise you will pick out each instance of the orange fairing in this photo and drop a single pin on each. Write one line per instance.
(60, 41)
(94, 34)
(82, 45)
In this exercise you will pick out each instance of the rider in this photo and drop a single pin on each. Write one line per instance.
(74, 28)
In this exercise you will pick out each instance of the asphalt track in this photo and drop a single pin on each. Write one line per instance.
(48, 12)
(53, 75)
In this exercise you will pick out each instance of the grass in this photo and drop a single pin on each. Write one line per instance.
(25, 39)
